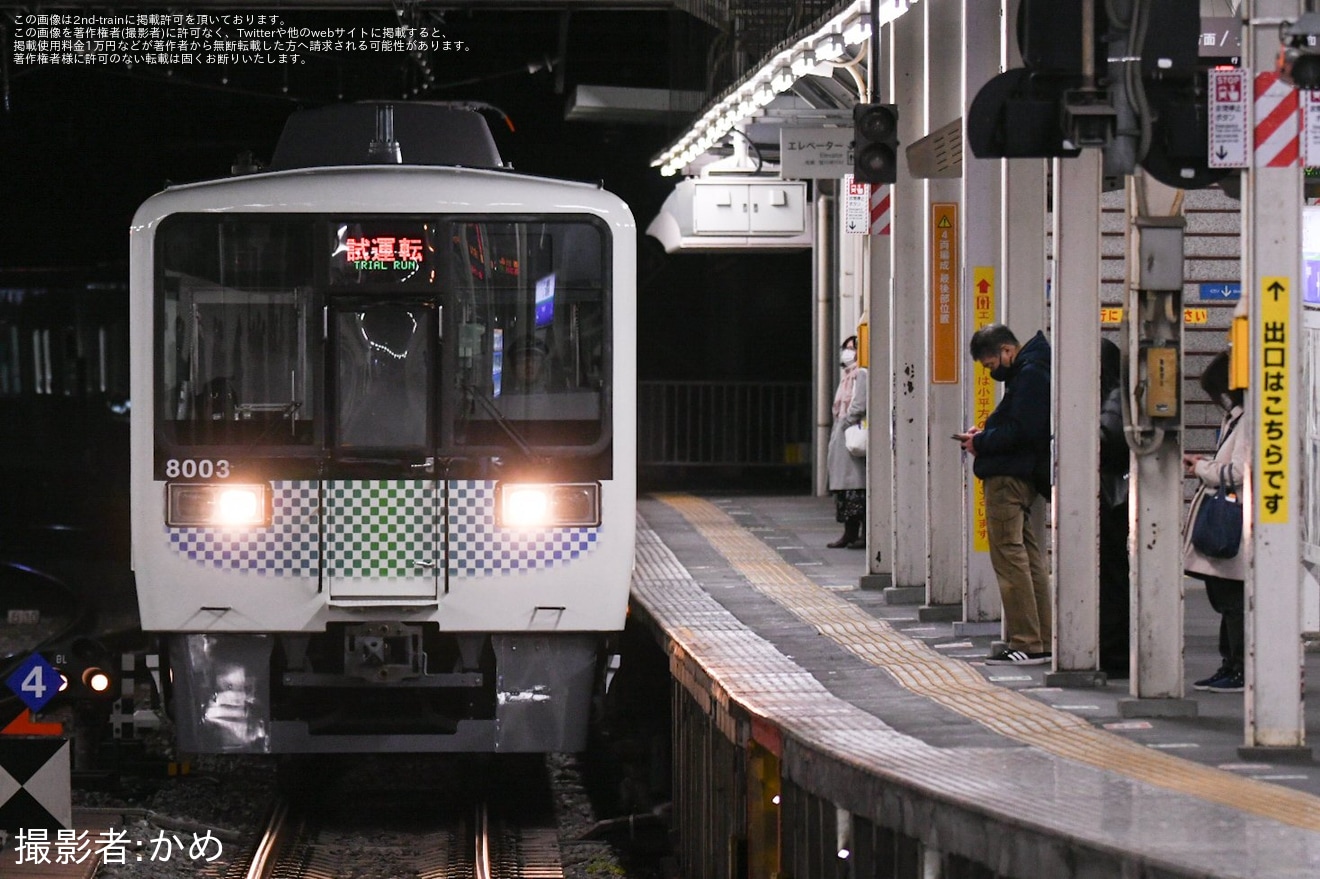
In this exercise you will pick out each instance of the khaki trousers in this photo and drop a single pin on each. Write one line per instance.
(1024, 582)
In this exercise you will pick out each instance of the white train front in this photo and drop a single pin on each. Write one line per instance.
(383, 442)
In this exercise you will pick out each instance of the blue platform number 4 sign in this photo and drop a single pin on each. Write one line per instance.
(35, 681)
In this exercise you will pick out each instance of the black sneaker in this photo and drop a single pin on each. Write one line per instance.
(1229, 683)
(1017, 657)
(1208, 683)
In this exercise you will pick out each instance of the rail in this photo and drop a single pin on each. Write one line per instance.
(723, 424)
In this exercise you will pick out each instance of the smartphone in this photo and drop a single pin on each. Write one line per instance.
(959, 437)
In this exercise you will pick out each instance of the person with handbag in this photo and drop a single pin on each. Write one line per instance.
(1206, 555)
(846, 472)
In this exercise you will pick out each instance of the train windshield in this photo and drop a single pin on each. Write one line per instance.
(235, 365)
(529, 313)
(367, 336)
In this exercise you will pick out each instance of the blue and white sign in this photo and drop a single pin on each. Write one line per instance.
(35, 681)
(1227, 292)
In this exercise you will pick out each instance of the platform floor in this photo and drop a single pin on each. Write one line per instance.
(764, 560)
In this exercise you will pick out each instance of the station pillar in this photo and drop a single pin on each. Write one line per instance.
(1074, 409)
(982, 193)
(1271, 255)
(907, 337)
(1153, 318)
(945, 357)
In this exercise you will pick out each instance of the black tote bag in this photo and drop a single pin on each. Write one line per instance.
(1217, 531)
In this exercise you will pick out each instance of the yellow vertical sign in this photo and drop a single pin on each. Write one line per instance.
(983, 393)
(1273, 432)
(945, 272)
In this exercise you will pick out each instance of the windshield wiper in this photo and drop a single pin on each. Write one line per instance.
(499, 418)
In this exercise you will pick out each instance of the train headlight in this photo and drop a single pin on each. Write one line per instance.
(523, 505)
(225, 505)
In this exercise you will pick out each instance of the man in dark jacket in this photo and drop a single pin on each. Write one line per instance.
(1012, 460)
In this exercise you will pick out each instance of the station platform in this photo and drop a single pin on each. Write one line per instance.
(901, 720)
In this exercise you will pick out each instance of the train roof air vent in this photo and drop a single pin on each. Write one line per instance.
(424, 133)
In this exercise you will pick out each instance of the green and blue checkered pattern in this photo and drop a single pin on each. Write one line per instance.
(381, 529)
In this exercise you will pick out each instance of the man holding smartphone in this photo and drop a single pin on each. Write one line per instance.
(1011, 458)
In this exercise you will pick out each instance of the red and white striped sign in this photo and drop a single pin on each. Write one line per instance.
(879, 209)
(1277, 129)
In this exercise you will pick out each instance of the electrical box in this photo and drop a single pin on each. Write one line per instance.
(1161, 252)
(720, 209)
(761, 207)
(777, 208)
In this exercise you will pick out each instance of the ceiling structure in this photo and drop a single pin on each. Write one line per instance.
(588, 89)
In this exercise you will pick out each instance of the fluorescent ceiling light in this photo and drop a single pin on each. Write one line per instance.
(777, 73)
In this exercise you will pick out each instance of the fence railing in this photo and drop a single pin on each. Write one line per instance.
(724, 424)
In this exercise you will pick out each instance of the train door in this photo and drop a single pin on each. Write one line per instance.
(383, 529)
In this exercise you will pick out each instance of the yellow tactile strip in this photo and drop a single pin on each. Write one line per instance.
(955, 685)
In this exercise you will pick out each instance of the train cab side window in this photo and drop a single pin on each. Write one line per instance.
(533, 317)
(235, 306)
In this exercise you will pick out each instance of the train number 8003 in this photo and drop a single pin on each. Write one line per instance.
(199, 468)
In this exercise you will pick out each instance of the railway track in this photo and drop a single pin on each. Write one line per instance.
(438, 834)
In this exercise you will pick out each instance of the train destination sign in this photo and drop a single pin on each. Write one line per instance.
(383, 252)
(369, 251)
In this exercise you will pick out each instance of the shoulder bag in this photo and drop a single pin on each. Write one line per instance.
(1217, 531)
(855, 439)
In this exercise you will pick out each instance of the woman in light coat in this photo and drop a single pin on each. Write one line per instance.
(1224, 577)
(846, 475)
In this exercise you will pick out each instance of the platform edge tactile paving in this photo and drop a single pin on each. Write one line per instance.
(1055, 743)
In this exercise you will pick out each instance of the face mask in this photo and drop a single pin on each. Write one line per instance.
(847, 357)
(1000, 373)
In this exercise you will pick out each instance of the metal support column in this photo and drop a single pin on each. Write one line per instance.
(943, 334)
(907, 337)
(879, 262)
(1074, 409)
(1153, 413)
(982, 188)
(826, 366)
(1023, 306)
(1272, 202)
(879, 402)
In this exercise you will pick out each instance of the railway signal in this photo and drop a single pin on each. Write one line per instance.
(875, 143)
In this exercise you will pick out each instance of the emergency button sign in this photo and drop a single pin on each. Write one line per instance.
(1228, 124)
(35, 681)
